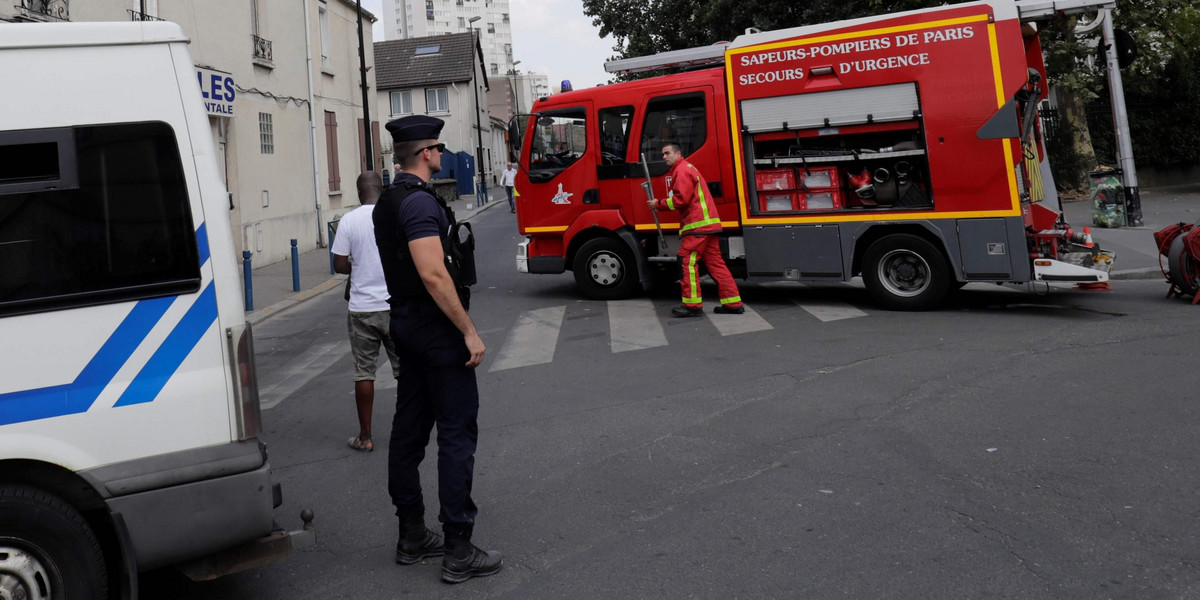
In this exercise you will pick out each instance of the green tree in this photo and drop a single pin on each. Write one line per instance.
(1161, 83)
(644, 27)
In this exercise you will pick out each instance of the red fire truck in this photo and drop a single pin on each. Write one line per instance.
(904, 148)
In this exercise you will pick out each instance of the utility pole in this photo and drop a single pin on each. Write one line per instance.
(362, 72)
(481, 186)
(1133, 199)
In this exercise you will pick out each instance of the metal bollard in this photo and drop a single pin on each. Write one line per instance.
(295, 267)
(249, 282)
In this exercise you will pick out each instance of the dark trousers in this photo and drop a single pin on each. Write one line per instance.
(434, 387)
(508, 189)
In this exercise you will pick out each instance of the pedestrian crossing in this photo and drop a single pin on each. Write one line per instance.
(533, 338)
(638, 324)
(526, 344)
(828, 311)
(634, 325)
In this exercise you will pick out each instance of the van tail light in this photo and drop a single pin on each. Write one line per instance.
(245, 384)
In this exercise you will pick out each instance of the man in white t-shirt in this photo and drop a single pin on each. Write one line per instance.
(508, 179)
(355, 253)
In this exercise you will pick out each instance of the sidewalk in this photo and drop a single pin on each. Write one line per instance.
(272, 284)
(1136, 254)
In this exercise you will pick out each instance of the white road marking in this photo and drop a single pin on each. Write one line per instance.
(634, 325)
(828, 311)
(532, 341)
(746, 322)
(302, 370)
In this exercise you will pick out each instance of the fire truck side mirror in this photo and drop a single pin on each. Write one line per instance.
(1001, 125)
(514, 137)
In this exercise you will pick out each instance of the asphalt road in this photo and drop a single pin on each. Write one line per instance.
(1009, 445)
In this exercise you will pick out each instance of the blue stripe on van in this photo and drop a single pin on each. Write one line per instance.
(178, 345)
(202, 242)
(79, 395)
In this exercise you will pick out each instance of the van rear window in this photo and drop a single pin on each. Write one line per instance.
(108, 221)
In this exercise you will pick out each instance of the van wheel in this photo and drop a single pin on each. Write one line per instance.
(604, 269)
(47, 549)
(905, 272)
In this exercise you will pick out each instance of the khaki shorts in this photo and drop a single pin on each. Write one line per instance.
(367, 331)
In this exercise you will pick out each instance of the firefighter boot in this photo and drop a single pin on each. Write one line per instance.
(417, 542)
(729, 310)
(684, 311)
(464, 560)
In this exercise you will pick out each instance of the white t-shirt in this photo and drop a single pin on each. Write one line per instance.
(508, 177)
(355, 239)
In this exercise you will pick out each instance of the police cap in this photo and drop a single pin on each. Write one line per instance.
(415, 127)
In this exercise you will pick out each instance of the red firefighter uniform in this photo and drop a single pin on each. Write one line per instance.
(699, 221)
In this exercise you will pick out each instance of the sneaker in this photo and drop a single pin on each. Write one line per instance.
(476, 563)
(729, 310)
(687, 311)
(410, 552)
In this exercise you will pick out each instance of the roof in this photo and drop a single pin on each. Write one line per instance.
(44, 35)
(397, 64)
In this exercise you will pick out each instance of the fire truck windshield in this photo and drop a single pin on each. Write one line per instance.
(559, 139)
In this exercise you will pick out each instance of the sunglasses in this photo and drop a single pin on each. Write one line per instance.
(438, 147)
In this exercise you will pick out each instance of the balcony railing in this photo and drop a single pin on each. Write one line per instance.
(37, 9)
(141, 16)
(262, 49)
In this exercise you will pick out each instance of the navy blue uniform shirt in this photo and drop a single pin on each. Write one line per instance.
(420, 215)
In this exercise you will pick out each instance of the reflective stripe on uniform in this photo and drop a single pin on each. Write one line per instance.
(693, 284)
(707, 220)
(733, 300)
(703, 223)
(700, 192)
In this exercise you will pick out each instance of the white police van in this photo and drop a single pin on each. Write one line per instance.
(128, 404)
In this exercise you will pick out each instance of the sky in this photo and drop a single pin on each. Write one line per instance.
(551, 37)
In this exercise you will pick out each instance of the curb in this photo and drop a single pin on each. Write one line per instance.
(1143, 273)
(263, 314)
(478, 209)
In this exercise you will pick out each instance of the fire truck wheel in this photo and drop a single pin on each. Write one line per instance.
(47, 549)
(905, 272)
(604, 269)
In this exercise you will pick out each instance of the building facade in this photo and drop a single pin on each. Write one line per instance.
(421, 18)
(289, 136)
(529, 87)
(442, 76)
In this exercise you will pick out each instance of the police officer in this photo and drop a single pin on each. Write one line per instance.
(438, 350)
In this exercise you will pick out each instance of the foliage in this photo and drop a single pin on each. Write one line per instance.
(644, 27)
(1163, 121)
(1067, 164)
(1161, 85)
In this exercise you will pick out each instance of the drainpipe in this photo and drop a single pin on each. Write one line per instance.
(312, 125)
(369, 150)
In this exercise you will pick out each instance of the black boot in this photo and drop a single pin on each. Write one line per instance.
(464, 560)
(685, 311)
(417, 542)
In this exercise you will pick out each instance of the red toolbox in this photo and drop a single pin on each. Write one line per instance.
(775, 180)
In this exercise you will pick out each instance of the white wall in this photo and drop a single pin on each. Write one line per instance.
(221, 39)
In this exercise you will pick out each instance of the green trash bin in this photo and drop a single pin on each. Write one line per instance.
(1108, 197)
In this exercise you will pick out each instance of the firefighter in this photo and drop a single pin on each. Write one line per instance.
(438, 349)
(699, 223)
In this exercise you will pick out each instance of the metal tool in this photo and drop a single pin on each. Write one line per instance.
(649, 187)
